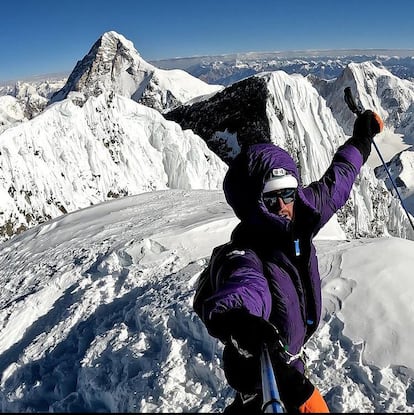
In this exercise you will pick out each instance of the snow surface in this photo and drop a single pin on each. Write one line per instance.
(96, 312)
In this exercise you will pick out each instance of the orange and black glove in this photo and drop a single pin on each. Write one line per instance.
(366, 127)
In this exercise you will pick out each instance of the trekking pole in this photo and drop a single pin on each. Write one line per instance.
(357, 109)
(271, 398)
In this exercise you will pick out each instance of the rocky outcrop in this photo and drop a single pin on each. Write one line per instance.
(239, 110)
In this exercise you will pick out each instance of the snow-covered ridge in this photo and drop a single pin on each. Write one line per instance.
(114, 65)
(393, 99)
(70, 157)
(302, 122)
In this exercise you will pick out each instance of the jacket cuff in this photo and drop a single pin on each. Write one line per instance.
(363, 145)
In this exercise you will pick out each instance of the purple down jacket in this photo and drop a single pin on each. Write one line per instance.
(258, 270)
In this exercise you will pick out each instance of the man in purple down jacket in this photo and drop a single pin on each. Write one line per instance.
(264, 285)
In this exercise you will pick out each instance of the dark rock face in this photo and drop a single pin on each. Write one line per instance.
(83, 69)
(239, 109)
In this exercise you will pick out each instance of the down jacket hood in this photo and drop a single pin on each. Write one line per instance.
(245, 178)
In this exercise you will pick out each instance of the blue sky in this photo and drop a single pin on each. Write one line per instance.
(38, 37)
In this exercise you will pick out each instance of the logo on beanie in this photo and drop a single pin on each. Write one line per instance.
(277, 172)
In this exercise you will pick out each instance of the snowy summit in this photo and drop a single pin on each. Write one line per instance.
(113, 64)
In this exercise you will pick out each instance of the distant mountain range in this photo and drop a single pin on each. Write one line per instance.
(119, 125)
(327, 64)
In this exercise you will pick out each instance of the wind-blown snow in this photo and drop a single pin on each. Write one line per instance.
(381, 324)
(96, 312)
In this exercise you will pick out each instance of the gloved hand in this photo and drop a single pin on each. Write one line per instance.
(366, 126)
(248, 331)
(244, 375)
(294, 387)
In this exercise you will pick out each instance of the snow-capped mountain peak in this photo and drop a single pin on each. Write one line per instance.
(111, 55)
(114, 65)
(378, 89)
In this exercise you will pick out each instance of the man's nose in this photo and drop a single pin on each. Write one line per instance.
(281, 203)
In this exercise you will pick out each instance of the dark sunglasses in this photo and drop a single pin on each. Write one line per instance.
(271, 199)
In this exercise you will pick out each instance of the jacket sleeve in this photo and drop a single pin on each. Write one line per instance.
(331, 192)
(237, 282)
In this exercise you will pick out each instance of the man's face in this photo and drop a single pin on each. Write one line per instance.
(280, 202)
